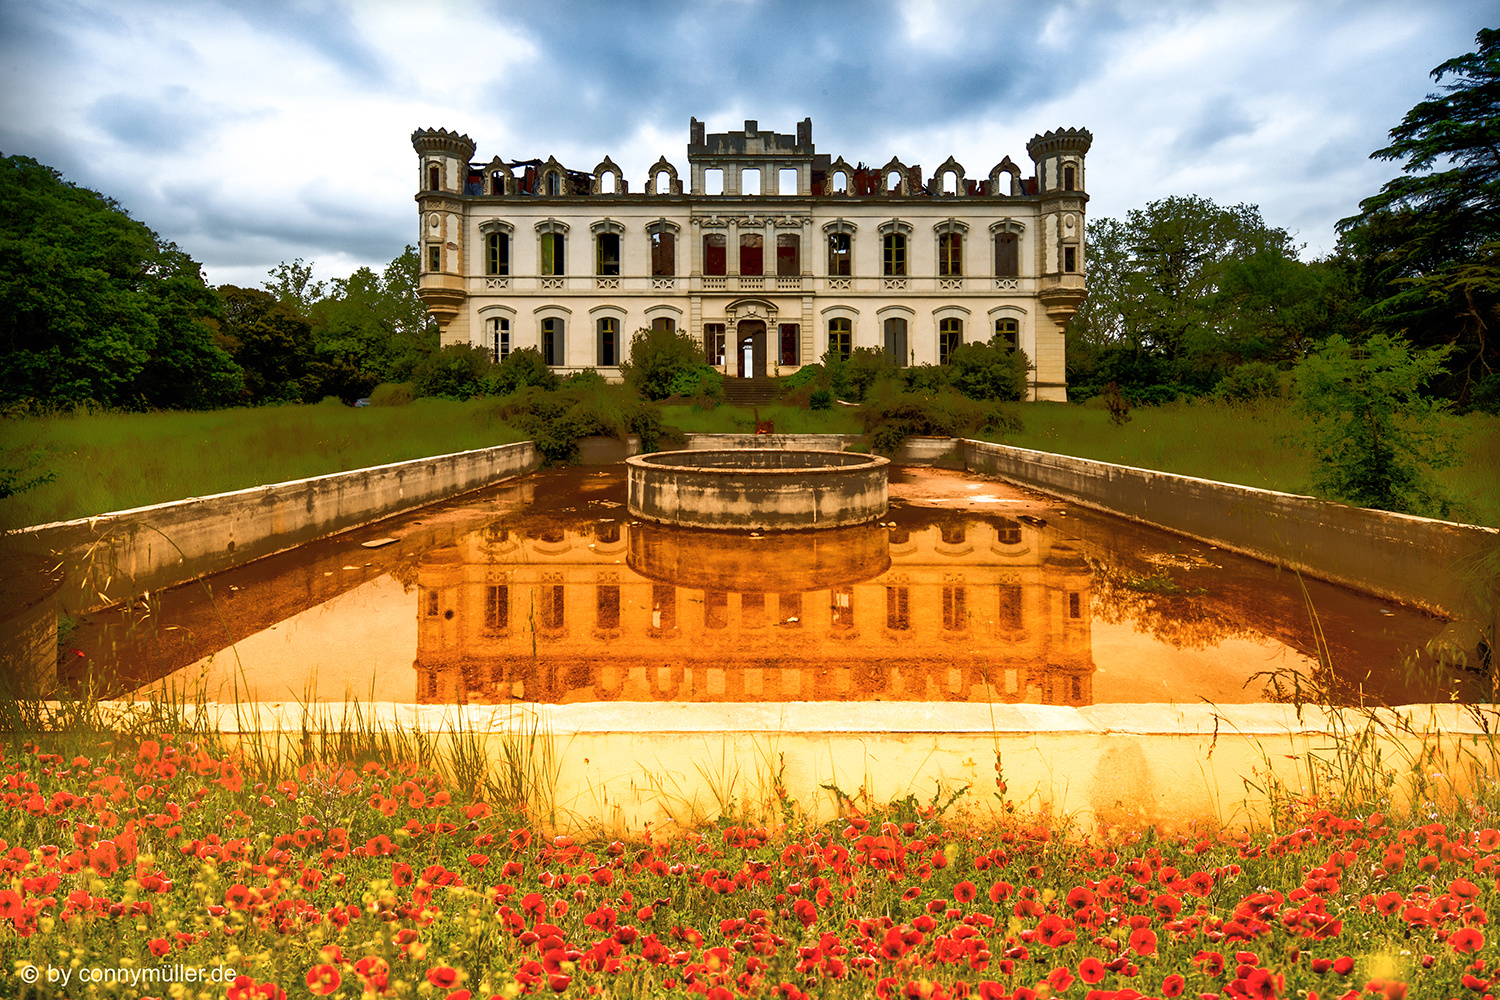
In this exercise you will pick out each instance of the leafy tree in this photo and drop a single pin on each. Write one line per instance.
(94, 307)
(271, 343)
(1373, 436)
(519, 369)
(373, 322)
(657, 357)
(457, 371)
(988, 371)
(1428, 244)
(1179, 292)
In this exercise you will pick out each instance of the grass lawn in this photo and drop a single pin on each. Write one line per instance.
(1239, 444)
(787, 419)
(414, 874)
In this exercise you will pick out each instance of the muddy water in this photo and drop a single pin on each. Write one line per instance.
(545, 590)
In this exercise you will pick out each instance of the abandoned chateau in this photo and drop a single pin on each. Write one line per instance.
(769, 254)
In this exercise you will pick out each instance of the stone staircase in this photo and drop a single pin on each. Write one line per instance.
(749, 392)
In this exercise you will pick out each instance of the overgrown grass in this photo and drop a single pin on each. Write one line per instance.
(741, 420)
(1233, 443)
(116, 461)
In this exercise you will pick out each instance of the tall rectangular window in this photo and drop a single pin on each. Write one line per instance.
(499, 339)
(663, 255)
(552, 254)
(434, 257)
(840, 255)
(752, 253)
(1007, 255)
(842, 607)
(497, 253)
(715, 253)
(609, 342)
(1010, 606)
(607, 606)
(609, 255)
(950, 336)
(1007, 332)
(950, 255)
(1070, 259)
(713, 343)
(791, 342)
(553, 608)
(715, 609)
(841, 337)
(552, 341)
(895, 341)
(788, 255)
(894, 263)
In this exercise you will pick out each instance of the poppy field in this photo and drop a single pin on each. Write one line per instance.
(168, 868)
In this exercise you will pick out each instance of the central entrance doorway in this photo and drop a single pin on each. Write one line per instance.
(750, 352)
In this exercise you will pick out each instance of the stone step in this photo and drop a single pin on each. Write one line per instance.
(750, 391)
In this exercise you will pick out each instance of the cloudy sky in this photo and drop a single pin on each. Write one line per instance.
(255, 132)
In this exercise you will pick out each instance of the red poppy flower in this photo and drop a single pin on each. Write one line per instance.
(1143, 941)
(10, 904)
(443, 977)
(1467, 940)
(479, 860)
(965, 892)
(1091, 970)
(1173, 986)
(1060, 978)
(323, 979)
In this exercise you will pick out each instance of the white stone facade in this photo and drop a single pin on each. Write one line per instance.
(791, 255)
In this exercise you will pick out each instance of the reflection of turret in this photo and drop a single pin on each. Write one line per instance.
(986, 610)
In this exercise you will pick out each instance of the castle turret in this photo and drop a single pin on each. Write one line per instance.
(1059, 157)
(443, 159)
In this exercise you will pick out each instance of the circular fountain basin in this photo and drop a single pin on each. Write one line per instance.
(792, 563)
(757, 489)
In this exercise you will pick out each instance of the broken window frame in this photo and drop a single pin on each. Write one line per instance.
(950, 337)
(788, 255)
(607, 254)
(497, 254)
(1070, 260)
(715, 254)
(434, 257)
(553, 255)
(752, 254)
(499, 338)
(789, 336)
(608, 341)
(1008, 332)
(713, 343)
(663, 252)
(950, 254)
(841, 336)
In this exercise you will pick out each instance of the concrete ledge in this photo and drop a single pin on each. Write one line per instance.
(114, 556)
(794, 442)
(625, 767)
(1453, 569)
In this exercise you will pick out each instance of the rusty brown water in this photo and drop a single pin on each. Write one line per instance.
(543, 589)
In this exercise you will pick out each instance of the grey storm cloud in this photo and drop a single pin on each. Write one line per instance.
(166, 123)
(1219, 118)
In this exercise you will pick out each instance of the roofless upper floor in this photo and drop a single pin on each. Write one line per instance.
(750, 163)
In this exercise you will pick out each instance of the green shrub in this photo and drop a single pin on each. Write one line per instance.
(519, 369)
(391, 394)
(891, 415)
(585, 378)
(331, 401)
(985, 371)
(1486, 397)
(806, 375)
(457, 371)
(556, 420)
(701, 382)
(925, 378)
(657, 356)
(821, 398)
(865, 367)
(1251, 381)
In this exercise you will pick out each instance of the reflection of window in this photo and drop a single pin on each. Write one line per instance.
(955, 608)
(497, 253)
(841, 337)
(715, 253)
(715, 608)
(840, 247)
(790, 606)
(953, 534)
(608, 604)
(1008, 532)
(552, 340)
(950, 336)
(609, 342)
(713, 342)
(788, 255)
(552, 606)
(897, 608)
(1010, 606)
(894, 262)
(497, 609)
(663, 606)
(843, 607)
(1075, 605)
(432, 603)
(950, 255)
(899, 536)
(752, 610)
(608, 533)
(791, 340)
(752, 253)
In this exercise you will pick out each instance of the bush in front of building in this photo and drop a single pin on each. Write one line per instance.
(457, 371)
(894, 413)
(556, 420)
(657, 357)
(988, 372)
(519, 369)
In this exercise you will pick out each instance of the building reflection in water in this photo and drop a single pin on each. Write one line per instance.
(968, 609)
